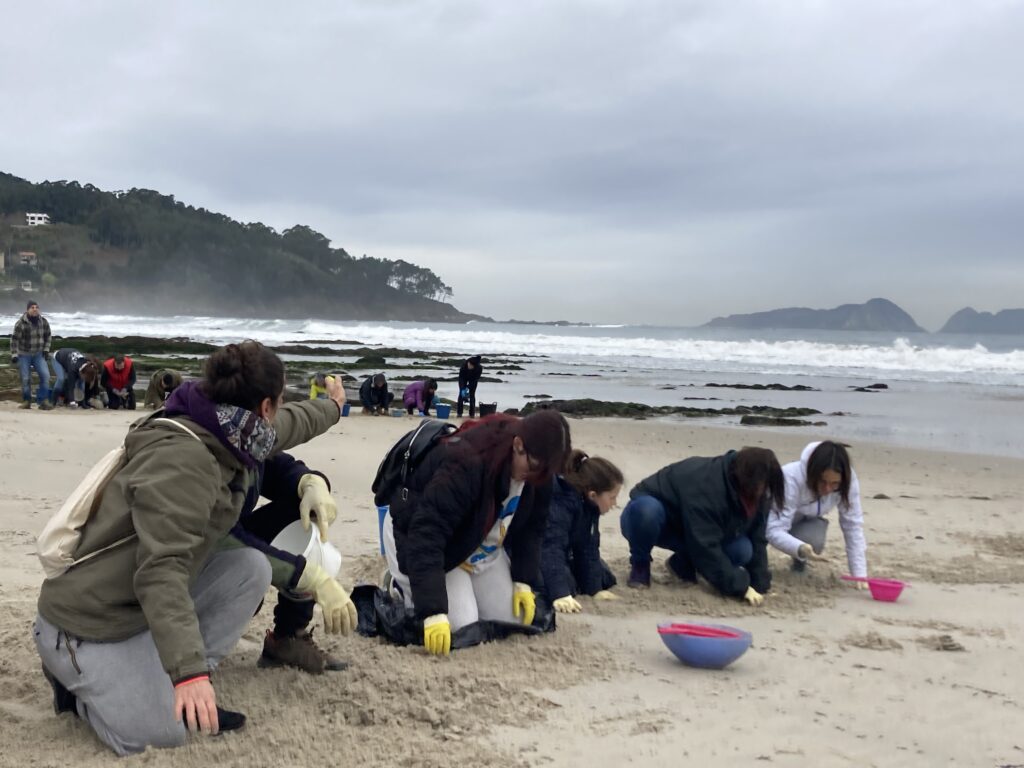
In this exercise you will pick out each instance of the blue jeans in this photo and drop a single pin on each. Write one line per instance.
(25, 365)
(644, 523)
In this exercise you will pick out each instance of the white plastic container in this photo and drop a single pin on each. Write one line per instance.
(307, 543)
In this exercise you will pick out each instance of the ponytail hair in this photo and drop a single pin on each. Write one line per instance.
(243, 375)
(591, 473)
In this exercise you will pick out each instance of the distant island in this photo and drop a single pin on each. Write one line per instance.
(968, 320)
(77, 247)
(873, 315)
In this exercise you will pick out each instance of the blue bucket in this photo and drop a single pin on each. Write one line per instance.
(444, 411)
(345, 409)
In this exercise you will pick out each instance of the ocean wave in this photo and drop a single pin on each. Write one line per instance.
(898, 359)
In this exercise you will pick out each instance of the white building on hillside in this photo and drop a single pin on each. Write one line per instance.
(37, 219)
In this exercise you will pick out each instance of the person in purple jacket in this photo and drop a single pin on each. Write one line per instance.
(419, 396)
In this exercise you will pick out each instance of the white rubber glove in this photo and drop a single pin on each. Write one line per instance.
(605, 594)
(806, 552)
(339, 610)
(316, 498)
(567, 604)
(753, 597)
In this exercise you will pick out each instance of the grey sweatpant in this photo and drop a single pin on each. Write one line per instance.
(122, 689)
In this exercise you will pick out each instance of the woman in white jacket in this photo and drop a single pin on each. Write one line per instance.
(820, 481)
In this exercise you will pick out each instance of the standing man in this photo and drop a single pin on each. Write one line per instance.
(469, 377)
(30, 348)
(118, 379)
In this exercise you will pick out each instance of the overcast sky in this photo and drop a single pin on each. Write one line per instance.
(608, 161)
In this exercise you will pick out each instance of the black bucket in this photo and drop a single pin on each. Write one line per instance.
(486, 409)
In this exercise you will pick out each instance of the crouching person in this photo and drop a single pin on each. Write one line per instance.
(118, 381)
(465, 545)
(130, 635)
(711, 513)
(296, 493)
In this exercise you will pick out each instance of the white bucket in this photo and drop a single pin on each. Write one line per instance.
(307, 543)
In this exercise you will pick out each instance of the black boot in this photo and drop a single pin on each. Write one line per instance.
(63, 699)
(228, 720)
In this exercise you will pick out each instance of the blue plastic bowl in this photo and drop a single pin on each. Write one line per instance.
(707, 652)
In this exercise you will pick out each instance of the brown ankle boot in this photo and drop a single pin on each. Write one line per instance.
(300, 652)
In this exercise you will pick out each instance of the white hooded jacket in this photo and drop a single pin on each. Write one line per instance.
(801, 502)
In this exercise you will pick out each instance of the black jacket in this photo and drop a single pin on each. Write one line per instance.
(470, 378)
(704, 508)
(71, 360)
(571, 555)
(450, 509)
(371, 397)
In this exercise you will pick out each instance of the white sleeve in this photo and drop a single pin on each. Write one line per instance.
(851, 520)
(780, 521)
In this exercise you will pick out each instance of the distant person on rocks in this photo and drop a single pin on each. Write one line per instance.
(469, 377)
(78, 379)
(419, 396)
(374, 394)
(118, 381)
(711, 513)
(318, 386)
(161, 385)
(822, 480)
(30, 348)
(571, 557)
(465, 545)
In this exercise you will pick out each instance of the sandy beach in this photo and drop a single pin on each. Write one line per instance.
(833, 677)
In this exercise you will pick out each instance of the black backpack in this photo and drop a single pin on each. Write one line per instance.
(395, 470)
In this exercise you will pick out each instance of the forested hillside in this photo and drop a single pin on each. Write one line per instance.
(141, 250)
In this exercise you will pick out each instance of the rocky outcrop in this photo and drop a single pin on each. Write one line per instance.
(969, 320)
(874, 315)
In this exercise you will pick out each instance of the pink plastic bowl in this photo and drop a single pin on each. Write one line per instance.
(885, 590)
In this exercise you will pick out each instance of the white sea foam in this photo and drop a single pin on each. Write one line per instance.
(636, 349)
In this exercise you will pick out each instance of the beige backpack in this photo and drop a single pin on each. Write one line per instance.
(59, 539)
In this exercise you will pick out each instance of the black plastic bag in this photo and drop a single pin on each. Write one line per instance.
(381, 615)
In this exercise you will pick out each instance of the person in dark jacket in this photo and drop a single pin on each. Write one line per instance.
(712, 514)
(571, 558)
(294, 491)
(118, 380)
(469, 377)
(465, 544)
(77, 382)
(374, 394)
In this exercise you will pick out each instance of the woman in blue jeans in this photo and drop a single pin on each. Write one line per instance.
(711, 513)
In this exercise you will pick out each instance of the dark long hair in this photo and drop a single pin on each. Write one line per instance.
(830, 455)
(244, 375)
(545, 436)
(756, 471)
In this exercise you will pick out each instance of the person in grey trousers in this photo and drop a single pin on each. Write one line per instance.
(130, 635)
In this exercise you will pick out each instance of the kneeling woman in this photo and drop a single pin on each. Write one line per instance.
(130, 634)
(822, 480)
(465, 545)
(571, 560)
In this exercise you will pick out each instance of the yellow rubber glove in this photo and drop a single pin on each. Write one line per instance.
(523, 602)
(806, 552)
(339, 610)
(753, 597)
(437, 634)
(316, 498)
(605, 594)
(567, 604)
